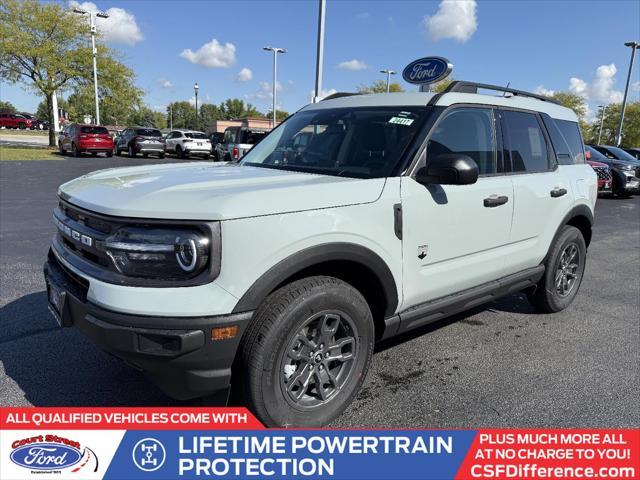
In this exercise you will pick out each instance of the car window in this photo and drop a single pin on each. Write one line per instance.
(196, 135)
(467, 131)
(571, 133)
(148, 132)
(620, 154)
(595, 155)
(527, 145)
(94, 130)
(359, 142)
(251, 137)
(228, 135)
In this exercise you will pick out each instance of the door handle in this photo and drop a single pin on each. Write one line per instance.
(495, 201)
(558, 192)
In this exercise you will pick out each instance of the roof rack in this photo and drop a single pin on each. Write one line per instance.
(338, 95)
(472, 87)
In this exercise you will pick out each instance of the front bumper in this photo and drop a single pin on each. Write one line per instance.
(176, 353)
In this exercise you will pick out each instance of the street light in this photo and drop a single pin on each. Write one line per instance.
(92, 24)
(195, 89)
(603, 107)
(320, 50)
(389, 73)
(634, 46)
(275, 51)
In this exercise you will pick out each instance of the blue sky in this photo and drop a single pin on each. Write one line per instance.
(552, 45)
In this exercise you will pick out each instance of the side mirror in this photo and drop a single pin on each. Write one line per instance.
(449, 169)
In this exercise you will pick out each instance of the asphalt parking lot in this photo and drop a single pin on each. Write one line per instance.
(498, 366)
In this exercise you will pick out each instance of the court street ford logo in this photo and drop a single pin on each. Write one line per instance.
(427, 70)
(45, 456)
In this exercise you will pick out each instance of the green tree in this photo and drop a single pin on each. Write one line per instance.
(233, 108)
(630, 130)
(44, 45)
(42, 110)
(145, 117)
(280, 115)
(180, 115)
(575, 103)
(380, 86)
(207, 115)
(7, 107)
(440, 86)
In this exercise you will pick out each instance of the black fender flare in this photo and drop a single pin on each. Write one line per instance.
(577, 211)
(316, 255)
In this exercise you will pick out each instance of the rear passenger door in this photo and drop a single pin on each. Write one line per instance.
(454, 236)
(542, 195)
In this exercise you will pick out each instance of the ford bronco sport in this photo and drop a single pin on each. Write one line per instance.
(273, 278)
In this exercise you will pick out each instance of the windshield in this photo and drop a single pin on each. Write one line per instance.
(196, 135)
(364, 142)
(622, 155)
(95, 130)
(148, 132)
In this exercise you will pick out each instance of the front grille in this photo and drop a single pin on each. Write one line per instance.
(604, 173)
(638, 172)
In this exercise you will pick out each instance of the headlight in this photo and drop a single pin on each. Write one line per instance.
(163, 253)
(627, 167)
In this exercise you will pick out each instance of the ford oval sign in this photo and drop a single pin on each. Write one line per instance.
(427, 70)
(46, 456)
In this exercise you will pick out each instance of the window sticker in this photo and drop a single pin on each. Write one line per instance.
(401, 121)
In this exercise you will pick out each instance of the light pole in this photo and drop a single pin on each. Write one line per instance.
(320, 51)
(275, 51)
(92, 25)
(171, 116)
(634, 46)
(604, 107)
(195, 89)
(389, 73)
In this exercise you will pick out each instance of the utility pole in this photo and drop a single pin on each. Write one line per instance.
(195, 89)
(389, 73)
(604, 107)
(92, 25)
(276, 51)
(634, 46)
(320, 50)
(171, 116)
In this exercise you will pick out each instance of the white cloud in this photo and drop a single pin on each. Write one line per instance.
(635, 87)
(266, 90)
(164, 83)
(540, 90)
(212, 55)
(454, 19)
(244, 75)
(120, 27)
(323, 93)
(601, 88)
(353, 65)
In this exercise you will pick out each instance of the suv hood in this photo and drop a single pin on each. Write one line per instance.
(208, 191)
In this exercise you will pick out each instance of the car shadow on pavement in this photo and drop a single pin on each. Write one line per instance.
(52, 366)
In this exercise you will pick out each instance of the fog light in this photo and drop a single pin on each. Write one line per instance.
(224, 333)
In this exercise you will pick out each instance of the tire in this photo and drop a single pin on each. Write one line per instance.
(552, 294)
(270, 378)
(74, 150)
(179, 152)
(22, 126)
(117, 151)
(161, 155)
(109, 154)
(94, 154)
(145, 155)
(62, 150)
(132, 153)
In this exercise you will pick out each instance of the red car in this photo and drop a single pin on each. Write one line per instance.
(605, 180)
(93, 139)
(14, 120)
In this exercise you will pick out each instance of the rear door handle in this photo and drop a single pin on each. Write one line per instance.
(558, 192)
(495, 201)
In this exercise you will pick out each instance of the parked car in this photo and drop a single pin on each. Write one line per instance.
(237, 141)
(14, 120)
(79, 138)
(36, 124)
(605, 180)
(634, 152)
(185, 143)
(144, 140)
(277, 278)
(624, 174)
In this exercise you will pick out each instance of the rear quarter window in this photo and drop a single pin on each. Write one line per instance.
(571, 133)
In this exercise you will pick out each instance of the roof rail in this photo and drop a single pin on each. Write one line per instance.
(472, 87)
(338, 95)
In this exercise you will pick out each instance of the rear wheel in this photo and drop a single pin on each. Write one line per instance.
(145, 155)
(161, 155)
(306, 354)
(132, 152)
(62, 150)
(109, 153)
(564, 269)
(22, 126)
(179, 151)
(74, 150)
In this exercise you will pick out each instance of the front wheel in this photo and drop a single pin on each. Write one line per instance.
(305, 355)
(132, 152)
(564, 269)
(74, 150)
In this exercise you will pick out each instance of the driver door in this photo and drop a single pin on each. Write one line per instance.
(455, 236)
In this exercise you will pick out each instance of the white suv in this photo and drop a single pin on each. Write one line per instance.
(188, 142)
(277, 275)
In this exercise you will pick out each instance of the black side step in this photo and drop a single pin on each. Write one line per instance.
(440, 308)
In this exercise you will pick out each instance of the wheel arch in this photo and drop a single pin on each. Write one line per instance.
(357, 265)
(581, 217)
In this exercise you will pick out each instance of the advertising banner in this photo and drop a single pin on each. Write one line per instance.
(168, 443)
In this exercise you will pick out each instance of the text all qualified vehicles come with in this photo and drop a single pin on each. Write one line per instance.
(277, 275)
